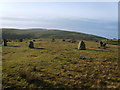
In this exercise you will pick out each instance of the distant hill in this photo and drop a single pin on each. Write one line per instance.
(10, 33)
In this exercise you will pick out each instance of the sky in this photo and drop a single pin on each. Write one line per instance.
(98, 18)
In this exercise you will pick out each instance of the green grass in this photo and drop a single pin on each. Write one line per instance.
(8, 33)
(112, 42)
(59, 64)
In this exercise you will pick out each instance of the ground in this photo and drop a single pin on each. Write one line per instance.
(59, 65)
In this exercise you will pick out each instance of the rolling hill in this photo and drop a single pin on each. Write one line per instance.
(9, 33)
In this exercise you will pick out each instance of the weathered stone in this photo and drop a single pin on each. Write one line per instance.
(101, 43)
(33, 40)
(31, 45)
(104, 44)
(63, 40)
(5, 42)
(21, 40)
(53, 40)
(82, 46)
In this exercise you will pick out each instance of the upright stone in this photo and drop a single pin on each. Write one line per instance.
(104, 44)
(31, 44)
(21, 40)
(63, 40)
(101, 43)
(33, 40)
(5, 42)
(53, 40)
(82, 46)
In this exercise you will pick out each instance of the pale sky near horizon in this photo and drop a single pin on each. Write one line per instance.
(99, 18)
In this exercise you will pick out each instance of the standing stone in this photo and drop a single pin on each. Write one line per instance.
(101, 43)
(81, 46)
(31, 45)
(33, 40)
(53, 40)
(63, 40)
(0, 41)
(104, 44)
(5, 42)
(21, 40)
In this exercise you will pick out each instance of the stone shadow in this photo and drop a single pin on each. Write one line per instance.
(39, 48)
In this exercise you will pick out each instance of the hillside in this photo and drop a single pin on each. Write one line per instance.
(46, 33)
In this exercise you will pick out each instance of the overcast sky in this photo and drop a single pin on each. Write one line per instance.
(99, 18)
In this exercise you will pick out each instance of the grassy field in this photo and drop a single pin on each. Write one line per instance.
(59, 65)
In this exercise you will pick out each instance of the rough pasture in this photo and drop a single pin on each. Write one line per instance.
(59, 64)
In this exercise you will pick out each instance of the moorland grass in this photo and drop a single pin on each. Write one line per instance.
(59, 65)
